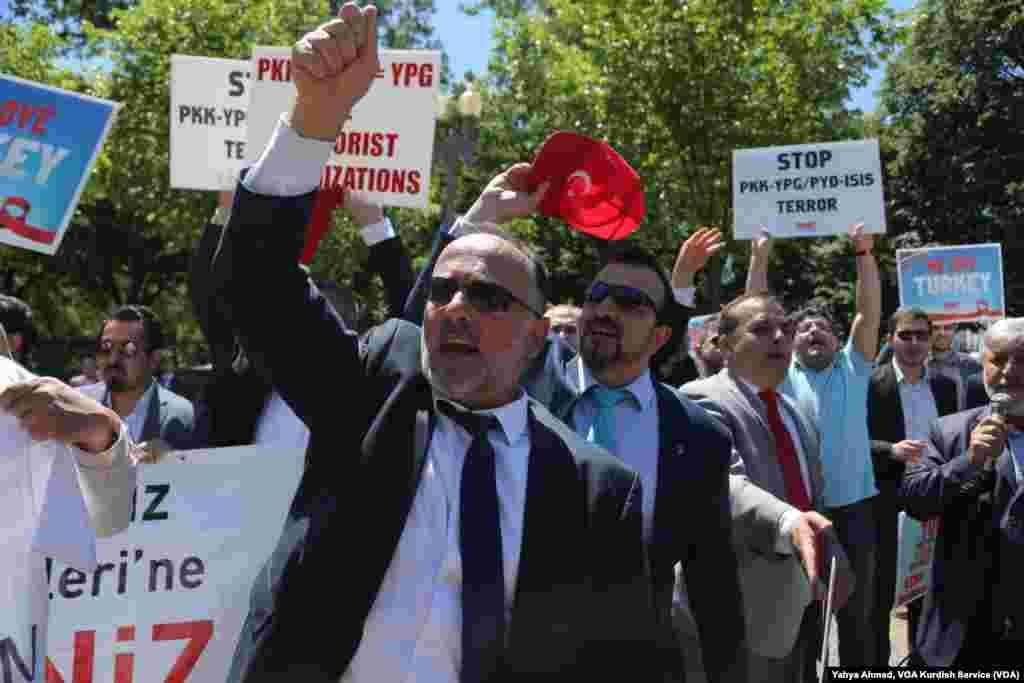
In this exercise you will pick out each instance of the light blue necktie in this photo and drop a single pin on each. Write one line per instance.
(603, 433)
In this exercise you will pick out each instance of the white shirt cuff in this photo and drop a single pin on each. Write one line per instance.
(119, 454)
(784, 541)
(685, 295)
(378, 232)
(291, 165)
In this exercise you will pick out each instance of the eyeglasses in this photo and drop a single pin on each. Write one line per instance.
(486, 297)
(911, 335)
(128, 349)
(564, 328)
(624, 296)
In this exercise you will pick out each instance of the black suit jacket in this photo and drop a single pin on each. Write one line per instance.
(979, 553)
(692, 517)
(582, 607)
(229, 410)
(885, 420)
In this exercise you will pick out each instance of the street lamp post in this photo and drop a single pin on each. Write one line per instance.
(459, 145)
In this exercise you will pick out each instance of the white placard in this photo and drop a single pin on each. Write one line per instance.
(170, 594)
(386, 149)
(807, 190)
(209, 101)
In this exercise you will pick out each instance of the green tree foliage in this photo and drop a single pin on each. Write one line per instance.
(676, 87)
(955, 128)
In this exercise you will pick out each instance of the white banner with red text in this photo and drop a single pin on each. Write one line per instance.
(385, 150)
(169, 595)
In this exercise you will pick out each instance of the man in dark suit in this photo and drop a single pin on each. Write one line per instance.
(629, 315)
(777, 451)
(903, 400)
(970, 475)
(128, 351)
(460, 532)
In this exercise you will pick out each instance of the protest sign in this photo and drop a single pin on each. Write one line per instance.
(807, 190)
(386, 149)
(209, 100)
(170, 594)
(961, 283)
(916, 546)
(49, 140)
(698, 328)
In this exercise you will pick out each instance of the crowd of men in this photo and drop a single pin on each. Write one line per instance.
(543, 504)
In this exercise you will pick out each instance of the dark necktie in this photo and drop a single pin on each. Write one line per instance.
(483, 582)
(785, 451)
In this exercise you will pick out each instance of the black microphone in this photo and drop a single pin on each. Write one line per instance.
(1004, 406)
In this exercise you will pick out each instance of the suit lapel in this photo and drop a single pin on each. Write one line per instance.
(151, 427)
(745, 399)
(673, 425)
(893, 405)
(552, 526)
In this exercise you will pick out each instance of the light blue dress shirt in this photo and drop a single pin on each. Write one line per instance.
(837, 400)
(918, 404)
(636, 430)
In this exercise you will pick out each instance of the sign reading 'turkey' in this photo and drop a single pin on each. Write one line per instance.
(808, 190)
(385, 151)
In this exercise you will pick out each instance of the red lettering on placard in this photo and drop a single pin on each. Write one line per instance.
(262, 67)
(366, 144)
(408, 75)
(198, 635)
(82, 662)
(964, 263)
(23, 113)
(936, 265)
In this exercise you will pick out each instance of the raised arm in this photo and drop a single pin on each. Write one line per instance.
(760, 254)
(864, 330)
(276, 310)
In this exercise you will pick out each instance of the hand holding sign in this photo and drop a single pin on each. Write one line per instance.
(333, 68)
(49, 409)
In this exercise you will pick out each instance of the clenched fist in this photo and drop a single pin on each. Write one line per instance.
(987, 440)
(48, 409)
(333, 67)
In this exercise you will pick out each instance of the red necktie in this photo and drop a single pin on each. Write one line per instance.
(796, 492)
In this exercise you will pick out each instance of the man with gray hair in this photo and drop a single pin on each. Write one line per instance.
(970, 474)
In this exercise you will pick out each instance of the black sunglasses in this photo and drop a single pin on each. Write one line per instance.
(919, 335)
(623, 296)
(485, 297)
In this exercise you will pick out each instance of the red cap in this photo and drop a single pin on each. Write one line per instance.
(593, 189)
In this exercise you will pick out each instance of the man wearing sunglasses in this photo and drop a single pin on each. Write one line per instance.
(904, 398)
(128, 355)
(479, 539)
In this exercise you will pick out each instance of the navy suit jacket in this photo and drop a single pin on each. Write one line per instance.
(582, 608)
(692, 515)
(979, 554)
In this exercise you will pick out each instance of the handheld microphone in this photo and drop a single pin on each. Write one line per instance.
(1003, 405)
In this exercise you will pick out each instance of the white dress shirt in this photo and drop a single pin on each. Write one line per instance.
(278, 425)
(636, 430)
(136, 420)
(918, 403)
(414, 629)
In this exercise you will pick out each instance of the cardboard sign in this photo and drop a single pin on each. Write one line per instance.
(807, 190)
(49, 140)
(170, 594)
(385, 150)
(209, 100)
(914, 558)
(953, 284)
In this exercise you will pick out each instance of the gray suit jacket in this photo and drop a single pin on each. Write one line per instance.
(776, 591)
(169, 416)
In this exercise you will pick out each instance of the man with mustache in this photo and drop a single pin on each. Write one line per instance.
(458, 531)
(904, 398)
(128, 352)
(776, 452)
(970, 474)
(830, 385)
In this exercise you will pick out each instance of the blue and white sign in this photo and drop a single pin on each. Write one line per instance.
(953, 284)
(49, 140)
